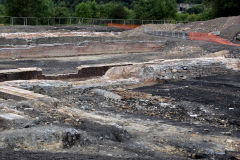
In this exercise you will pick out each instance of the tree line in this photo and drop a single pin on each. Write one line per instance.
(120, 9)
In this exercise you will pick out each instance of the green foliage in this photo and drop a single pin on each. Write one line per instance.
(196, 9)
(61, 10)
(190, 1)
(118, 11)
(29, 8)
(87, 9)
(2, 10)
(130, 13)
(155, 9)
(182, 16)
(185, 17)
(194, 17)
(221, 8)
(207, 14)
(91, 9)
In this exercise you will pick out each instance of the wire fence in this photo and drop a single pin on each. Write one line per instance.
(78, 21)
(172, 34)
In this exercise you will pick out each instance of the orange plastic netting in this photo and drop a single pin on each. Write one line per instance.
(123, 26)
(210, 37)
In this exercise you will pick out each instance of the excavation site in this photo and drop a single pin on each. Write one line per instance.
(156, 92)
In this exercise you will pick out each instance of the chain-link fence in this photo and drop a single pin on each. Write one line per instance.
(173, 34)
(77, 21)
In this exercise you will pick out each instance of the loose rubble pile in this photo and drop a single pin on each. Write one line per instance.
(176, 69)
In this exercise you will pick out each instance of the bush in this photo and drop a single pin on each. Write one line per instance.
(188, 17)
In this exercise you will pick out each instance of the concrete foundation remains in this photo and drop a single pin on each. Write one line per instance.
(20, 74)
(84, 48)
(176, 69)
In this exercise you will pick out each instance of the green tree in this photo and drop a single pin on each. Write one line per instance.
(118, 11)
(61, 10)
(196, 9)
(2, 10)
(155, 9)
(114, 10)
(30, 8)
(222, 8)
(87, 9)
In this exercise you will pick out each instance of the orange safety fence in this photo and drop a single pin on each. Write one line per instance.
(123, 26)
(210, 37)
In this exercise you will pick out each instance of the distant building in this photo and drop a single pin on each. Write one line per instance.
(184, 6)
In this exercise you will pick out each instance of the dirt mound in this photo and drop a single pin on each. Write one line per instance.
(228, 27)
(156, 27)
(218, 24)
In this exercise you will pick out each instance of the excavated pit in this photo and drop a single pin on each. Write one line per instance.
(124, 99)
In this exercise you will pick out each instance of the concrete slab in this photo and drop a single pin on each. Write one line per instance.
(8, 92)
(98, 69)
(10, 116)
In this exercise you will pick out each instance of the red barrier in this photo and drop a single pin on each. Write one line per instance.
(123, 26)
(210, 38)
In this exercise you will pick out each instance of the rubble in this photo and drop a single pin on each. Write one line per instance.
(175, 69)
(171, 100)
(107, 94)
(238, 37)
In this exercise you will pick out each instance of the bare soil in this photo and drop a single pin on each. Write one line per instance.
(196, 118)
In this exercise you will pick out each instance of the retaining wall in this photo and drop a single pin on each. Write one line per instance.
(150, 71)
(84, 48)
(36, 73)
(20, 74)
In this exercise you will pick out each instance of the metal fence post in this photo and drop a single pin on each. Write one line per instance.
(36, 21)
(184, 37)
(11, 20)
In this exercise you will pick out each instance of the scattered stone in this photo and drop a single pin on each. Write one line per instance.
(28, 109)
(10, 116)
(194, 115)
(107, 94)
(238, 37)
(226, 133)
(46, 137)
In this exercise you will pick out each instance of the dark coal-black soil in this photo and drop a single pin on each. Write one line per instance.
(26, 155)
(68, 65)
(214, 99)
